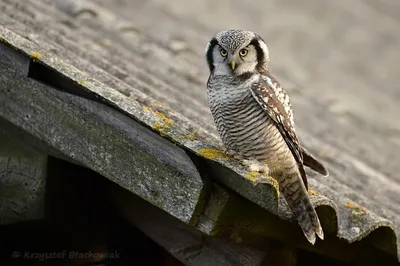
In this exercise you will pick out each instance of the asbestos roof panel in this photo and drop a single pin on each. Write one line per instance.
(341, 74)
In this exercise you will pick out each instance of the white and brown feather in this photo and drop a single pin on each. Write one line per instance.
(276, 103)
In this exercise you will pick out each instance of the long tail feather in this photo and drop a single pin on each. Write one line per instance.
(296, 196)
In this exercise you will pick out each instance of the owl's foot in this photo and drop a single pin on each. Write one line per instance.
(256, 166)
(253, 165)
(234, 154)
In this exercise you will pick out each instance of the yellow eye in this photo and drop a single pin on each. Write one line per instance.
(243, 52)
(223, 52)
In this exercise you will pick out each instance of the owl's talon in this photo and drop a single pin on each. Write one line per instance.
(233, 154)
(255, 166)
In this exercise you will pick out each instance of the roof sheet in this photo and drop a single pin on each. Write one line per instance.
(341, 75)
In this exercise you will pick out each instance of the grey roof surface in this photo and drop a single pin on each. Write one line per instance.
(338, 64)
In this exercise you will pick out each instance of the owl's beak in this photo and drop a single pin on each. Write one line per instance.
(233, 64)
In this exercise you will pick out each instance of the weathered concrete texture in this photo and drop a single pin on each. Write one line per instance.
(105, 141)
(156, 72)
(22, 181)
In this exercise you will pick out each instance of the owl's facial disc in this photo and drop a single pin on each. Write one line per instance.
(228, 62)
(236, 52)
(242, 60)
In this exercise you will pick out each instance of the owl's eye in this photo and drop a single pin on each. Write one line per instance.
(223, 53)
(243, 52)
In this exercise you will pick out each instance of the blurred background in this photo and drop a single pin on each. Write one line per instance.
(345, 54)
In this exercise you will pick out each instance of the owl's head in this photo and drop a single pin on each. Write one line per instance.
(237, 52)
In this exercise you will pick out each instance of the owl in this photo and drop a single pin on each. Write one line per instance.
(254, 119)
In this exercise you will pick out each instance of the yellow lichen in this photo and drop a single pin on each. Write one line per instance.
(357, 210)
(356, 215)
(213, 153)
(274, 182)
(36, 56)
(146, 108)
(192, 136)
(353, 205)
(159, 126)
(313, 192)
(82, 81)
(164, 118)
(252, 176)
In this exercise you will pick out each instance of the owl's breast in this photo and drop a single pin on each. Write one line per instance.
(240, 121)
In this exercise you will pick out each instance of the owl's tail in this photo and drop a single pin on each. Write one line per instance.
(295, 193)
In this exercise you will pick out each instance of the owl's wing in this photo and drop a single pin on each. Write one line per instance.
(275, 102)
(308, 159)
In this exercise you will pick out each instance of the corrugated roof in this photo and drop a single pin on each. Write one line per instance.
(339, 67)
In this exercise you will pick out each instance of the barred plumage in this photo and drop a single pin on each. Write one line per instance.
(254, 118)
